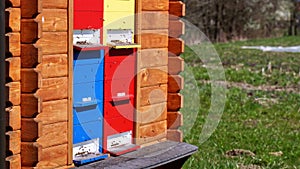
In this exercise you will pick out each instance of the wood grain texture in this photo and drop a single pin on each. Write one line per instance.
(153, 131)
(175, 135)
(152, 113)
(177, 8)
(14, 118)
(175, 83)
(13, 162)
(31, 30)
(29, 154)
(153, 57)
(57, 133)
(30, 80)
(175, 120)
(175, 101)
(57, 155)
(155, 5)
(31, 8)
(13, 66)
(154, 94)
(176, 46)
(14, 93)
(176, 28)
(153, 76)
(30, 130)
(14, 44)
(55, 20)
(14, 16)
(53, 66)
(13, 140)
(53, 43)
(154, 39)
(59, 4)
(30, 105)
(176, 65)
(53, 89)
(155, 20)
(53, 112)
(13, 3)
(31, 55)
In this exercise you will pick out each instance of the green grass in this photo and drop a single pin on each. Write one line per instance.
(255, 120)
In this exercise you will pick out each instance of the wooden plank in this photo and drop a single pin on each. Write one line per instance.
(31, 8)
(29, 154)
(177, 8)
(12, 3)
(31, 55)
(176, 46)
(31, 30)
(175, 120)
(30, 130)
(55, 20)
(175, 83)
(155, 5)
(154, 94)
(53, 43)
(62, 4)
(53, 134)
(14, 44)
(13, 162)
(176, 65)
(14, 93)
(30, 80)
(153, 57)
(53, 66)
(13, 16)
(151, 114)
(57, 155)
(154, 39)
(13, 66)
(53, 112)
(175, 135)
(30, 105)
(53, 89)
(153, 76)
(13, 140)
(176, 28)
(155, 20)
(151, 132)
(175, 101)
(13, 121)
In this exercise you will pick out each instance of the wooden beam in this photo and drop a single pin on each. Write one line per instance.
(175, 83)
(155, 20)
(175, 120)
(176, 46)
(53, 89)
(154, 39)
(56, 155)
(53, 43)
(53, 66)
(13, 161)
(177, 8)
(58, 4)
(29, 154)
(55, 20)
(14, 118)
(155, 5)
(13, 3)
(13, 64)
(14, 44)
(53, 112)
(152, 113)
(153, 57)
(31, 8)
(153, 76)
(30, 130)
(13, 139)
(153, 94)
(175, 101)
(31, 55)
(30, 105)
(14, 93)
(176, 65)
(31, 30)
(151, 132)
(175, 135)
(14, 17)
(30, 80)
(176, 28)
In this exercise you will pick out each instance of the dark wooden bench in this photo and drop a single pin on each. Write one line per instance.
(167, 154)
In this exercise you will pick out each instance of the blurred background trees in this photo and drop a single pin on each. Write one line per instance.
(226, 20)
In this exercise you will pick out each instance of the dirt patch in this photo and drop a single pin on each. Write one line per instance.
(251, 166)
(238, 153)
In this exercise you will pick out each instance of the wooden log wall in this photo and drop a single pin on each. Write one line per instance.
(176, 65)
(13, 84)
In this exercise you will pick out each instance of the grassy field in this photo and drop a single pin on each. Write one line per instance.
(262, 112)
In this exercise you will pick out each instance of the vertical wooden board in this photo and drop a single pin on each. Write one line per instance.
(176, 65)
(14, 118)
(53, 43)
(31, 55)
(53, 112)
(155, 20)
(55, 20)
(53, 89)
(176, 28)
(153, 76)
(13, 162)
(154, 94)
(30, 8)
(175, 120)
(12, 3)
(176, 46)
(14, 93)
(13, 16)
(13, 66)
(175, 135)
(154, 39)
(177, 8)
(13, 140)
(53, 66)
(175, 101)
(29, 80)
(29, 129)
(153, 130)
(155, 5)
(31, 30)
(29, 155)
(61, 4)
(57, 154)
(13, 44)
(175, 83)
(30, 105)
(152, 113)
(153, 57)
(53, 134)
